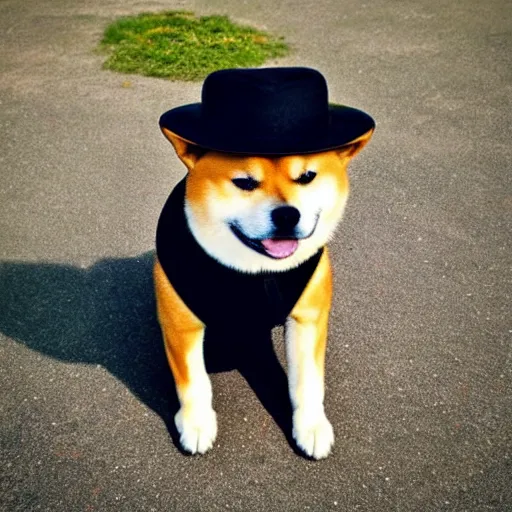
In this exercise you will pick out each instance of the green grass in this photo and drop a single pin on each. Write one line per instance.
(181, 46)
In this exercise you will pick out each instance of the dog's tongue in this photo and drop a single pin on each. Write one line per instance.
(280, 248)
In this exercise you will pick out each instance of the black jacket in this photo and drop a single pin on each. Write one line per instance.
(220, 296)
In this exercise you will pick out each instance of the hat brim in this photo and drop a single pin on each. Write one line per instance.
(346, 124)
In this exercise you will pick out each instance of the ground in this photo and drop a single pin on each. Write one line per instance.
(418, 364)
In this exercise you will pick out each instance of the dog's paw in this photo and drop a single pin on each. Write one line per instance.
(197, 428)
(313, 433)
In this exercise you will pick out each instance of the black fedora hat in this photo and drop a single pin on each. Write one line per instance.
(268, 111)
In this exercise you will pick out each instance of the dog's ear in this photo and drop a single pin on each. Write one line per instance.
(187, 152)
(353, 148)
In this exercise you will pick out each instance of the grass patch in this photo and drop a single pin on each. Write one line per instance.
(180, 46)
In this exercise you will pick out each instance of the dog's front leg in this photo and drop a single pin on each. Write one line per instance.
(183, 335)
(306, 338)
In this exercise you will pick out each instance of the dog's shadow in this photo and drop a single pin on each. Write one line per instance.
(105, 315)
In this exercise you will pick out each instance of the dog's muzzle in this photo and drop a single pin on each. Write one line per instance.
(283, 241)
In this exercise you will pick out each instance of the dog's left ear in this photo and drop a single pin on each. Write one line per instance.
(187, 152)
(352, 149)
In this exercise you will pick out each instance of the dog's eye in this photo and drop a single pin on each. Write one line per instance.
(246, 183)
(306, 177)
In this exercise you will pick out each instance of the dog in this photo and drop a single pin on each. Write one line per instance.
(241, 241)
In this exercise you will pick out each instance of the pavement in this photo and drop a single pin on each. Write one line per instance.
(418, 384)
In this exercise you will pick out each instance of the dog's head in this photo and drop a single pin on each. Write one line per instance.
(256, 213)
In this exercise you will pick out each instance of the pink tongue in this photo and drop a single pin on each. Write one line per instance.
(280, 248)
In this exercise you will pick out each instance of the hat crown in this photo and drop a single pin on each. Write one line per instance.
(291, 103)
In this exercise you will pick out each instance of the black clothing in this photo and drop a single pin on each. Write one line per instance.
(219, 296)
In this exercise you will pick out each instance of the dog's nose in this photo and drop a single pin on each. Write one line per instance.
(285, 217)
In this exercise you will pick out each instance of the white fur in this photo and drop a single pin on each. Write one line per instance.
(217, 239)
(311, 429)
(196, 420)
(197, 428)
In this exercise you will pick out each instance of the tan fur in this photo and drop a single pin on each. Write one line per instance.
(314, 305)
(180, 327)
(210, 198)
(183, 335)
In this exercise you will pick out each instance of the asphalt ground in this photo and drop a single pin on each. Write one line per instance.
(419, 360)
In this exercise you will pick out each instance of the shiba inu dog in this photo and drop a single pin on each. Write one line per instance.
(241, 241)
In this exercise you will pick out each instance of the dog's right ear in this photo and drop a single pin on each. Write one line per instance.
(187, 152)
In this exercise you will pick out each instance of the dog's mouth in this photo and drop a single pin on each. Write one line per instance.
(280, 248)
(277, 247)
